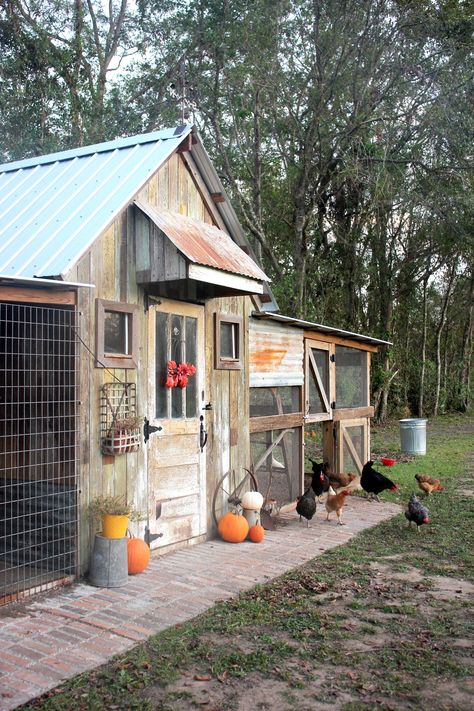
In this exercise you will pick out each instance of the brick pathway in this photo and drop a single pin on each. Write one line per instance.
(60, 634)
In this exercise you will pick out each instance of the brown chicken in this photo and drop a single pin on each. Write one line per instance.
(335, 502)
(428, 483)
(339, 479)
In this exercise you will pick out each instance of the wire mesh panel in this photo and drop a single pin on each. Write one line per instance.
(38, 448)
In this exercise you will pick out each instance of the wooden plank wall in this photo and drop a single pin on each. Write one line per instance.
(110, 266)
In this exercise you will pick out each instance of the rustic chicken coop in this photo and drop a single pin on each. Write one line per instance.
(131, 364)
(307, 382)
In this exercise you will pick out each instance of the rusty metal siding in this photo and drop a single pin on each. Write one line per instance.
(202, 243)
(276, 354)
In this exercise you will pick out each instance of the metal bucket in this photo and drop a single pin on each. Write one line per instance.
(413, 436)
(109, 562)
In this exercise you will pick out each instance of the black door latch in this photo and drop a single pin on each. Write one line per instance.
(202, 434)
(149, 429)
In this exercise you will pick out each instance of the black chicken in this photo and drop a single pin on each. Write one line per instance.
(320, 480)
(306, 505)
(373, 482)
(416, 513)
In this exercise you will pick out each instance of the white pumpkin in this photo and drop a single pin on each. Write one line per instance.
(252, 500)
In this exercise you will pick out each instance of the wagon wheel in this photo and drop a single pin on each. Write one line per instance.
(228, 494)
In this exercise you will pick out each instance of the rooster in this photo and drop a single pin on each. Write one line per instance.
(416, 513)
(373, 482)
(320, 480)
(306, 505)
(335, 502)
(428, 483)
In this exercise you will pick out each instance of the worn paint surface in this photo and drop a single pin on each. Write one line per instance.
(276, 354)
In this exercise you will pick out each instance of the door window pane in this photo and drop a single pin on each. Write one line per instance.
(191, 357)
(316, 403)
(161, 357)
(175, 339)
(351, 377)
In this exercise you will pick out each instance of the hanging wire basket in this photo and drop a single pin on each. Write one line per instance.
(120, 426)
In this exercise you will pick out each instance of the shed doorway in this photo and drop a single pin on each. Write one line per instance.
(175, 449)
(38, 448)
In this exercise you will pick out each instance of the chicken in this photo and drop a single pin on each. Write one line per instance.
(339, 479)
(306, 505)
(335, 502)
(320, 480)
(416, 513)
(373, 482)
(428, 483)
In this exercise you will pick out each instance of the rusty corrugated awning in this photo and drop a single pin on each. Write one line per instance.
(202, 243)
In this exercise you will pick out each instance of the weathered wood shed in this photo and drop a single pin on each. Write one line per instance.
(144, 226)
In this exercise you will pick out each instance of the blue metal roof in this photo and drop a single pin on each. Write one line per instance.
(53, 207)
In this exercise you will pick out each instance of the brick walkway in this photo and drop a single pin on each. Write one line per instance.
(58, 635)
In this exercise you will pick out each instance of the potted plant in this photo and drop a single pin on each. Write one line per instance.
(114, 513)
(123, 436)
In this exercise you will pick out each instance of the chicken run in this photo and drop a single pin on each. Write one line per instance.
(336, 486)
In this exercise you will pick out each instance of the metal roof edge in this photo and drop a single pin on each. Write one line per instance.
(300, 323)
(163, 135)
(37, 281)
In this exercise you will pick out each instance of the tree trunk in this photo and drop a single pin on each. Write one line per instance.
(421, 393)
(467, 349)
(439, 331)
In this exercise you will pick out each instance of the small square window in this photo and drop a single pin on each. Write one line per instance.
(116, 334)
(228, 342)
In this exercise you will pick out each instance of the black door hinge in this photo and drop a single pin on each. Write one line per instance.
(149, 429)
(332, 358)
(333, 405)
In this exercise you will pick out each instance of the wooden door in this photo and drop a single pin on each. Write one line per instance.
(175, 460)
(319, 379)
(353, 445)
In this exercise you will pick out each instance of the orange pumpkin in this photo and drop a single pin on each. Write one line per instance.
(256, 533)
(233, 527)
(138, 555)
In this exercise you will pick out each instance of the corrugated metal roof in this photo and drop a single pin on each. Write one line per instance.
(53, 207)
(300, 323)
(202, 243)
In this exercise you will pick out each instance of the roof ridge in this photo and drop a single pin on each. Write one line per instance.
(103, 147)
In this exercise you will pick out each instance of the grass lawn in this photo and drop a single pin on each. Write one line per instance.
(385, 621)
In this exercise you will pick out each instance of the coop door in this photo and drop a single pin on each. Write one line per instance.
(175, 457)
(353, 447)
(319, 378)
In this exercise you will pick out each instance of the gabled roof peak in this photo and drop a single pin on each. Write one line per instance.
(106, 146)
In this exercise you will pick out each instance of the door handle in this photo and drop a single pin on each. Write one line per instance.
(202, 434)
(149, 429)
